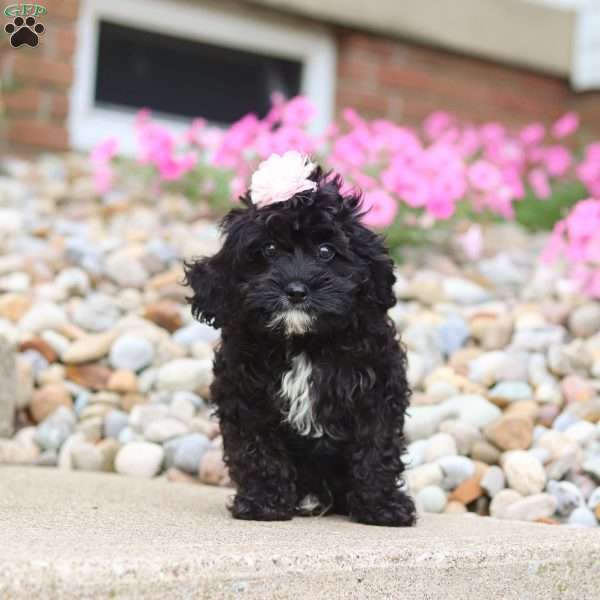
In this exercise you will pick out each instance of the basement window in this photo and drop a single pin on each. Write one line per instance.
(186, 78)
(184, 60)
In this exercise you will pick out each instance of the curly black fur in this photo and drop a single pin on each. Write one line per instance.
(349, 453)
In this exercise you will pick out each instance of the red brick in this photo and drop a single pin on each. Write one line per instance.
(366, 102)
(377, 46)
(29, 132)
(357, 69)
(23, 99)
(62, 9)
(403, 76)
(43, 70)
(65, 40)
(59, 104)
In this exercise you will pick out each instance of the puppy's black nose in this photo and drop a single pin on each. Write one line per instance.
(296, 292)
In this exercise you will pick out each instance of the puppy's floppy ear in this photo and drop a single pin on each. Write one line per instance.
(208, 281)
(370, 247)
(212, 279)
(379, 286)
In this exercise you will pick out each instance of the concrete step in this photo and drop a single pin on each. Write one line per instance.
(81, 535)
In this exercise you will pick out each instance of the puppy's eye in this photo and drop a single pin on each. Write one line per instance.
(326, 252)
(270, 250)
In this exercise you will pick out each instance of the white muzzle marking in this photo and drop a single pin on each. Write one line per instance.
(294, 321)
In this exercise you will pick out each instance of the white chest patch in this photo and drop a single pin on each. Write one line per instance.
(297, 390)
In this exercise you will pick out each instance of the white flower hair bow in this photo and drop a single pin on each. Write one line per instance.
(280, 177)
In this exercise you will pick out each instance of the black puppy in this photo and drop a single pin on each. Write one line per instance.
(310, 381)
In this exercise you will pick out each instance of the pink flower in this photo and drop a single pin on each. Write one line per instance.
(237, 138)
(436, 124)
(589, 169)
(556, 244)
(105, 151)
(173, 168)
(492, 133)
(539, 183)
(349, 151)
(566, 125)
(557, 160)
(382, 209)
(103, 179)
(532, 134)
(298, 111)
(280, 177)
(584, 220)
(194, 135)
(352, 117)
(471, 242)
(593, 285)
(440, 207)
(484, 176)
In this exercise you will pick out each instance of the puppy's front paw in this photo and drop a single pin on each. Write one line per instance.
(251, 509)
(397, 510)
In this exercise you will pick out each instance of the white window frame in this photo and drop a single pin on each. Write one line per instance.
(243, 29)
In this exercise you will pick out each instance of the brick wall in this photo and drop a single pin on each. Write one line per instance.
(36, 102)
(405, 82)
(380, 77)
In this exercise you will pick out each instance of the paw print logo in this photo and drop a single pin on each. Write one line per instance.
(24, 31)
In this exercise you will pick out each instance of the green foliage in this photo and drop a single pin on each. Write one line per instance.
(541, 215)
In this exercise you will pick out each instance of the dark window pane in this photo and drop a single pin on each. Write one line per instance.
(138, 68)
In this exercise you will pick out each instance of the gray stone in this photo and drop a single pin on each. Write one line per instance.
(139, 459)
(439, 445)
(582, 517)
(194, 332)
(592, 467)
(594, 499)
(114, 422)
(567, 495)
(8, 387)
(531, 508)
(502, 500)
(44, 315)
(493, 481)
(87, 457)
(464, 434)
(422, 476)
(584, 321)
(55, 429)
(131, 352)
(196, 400)
(423, 421)
(189, 452)
(454, 332)
(455, 469)
(431, 499)
(185, 374)
(524, 472)
(463, 291)
(143, 414)
(96, 313)
(124, 268)
(73, 282)
(161, 430)
(511, 391)
(474, 409)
